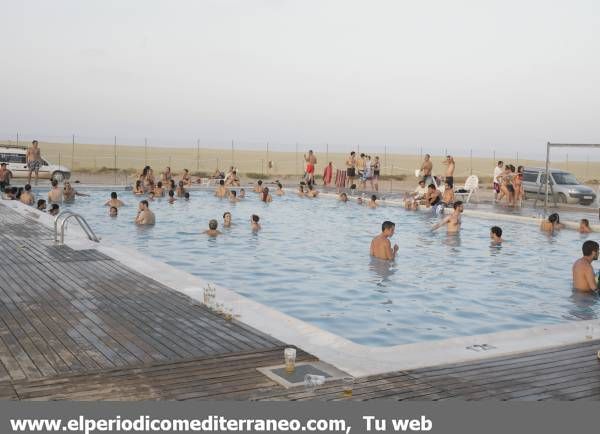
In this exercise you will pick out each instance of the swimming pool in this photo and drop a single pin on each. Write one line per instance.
(311, 261)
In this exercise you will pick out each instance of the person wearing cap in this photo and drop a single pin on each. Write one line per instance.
(5, 175)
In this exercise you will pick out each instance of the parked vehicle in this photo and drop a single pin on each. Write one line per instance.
(15, 158)
(564, 184)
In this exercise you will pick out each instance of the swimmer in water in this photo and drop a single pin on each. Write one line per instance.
(227, 220)
(54, 209)
(311, 191)
(212, 230)
(584, 278)
(552, 224)
(113, 211)
(186, 196)
(138, 189)
(496, 235)
(27, 196)
(69, 193)
(373, 202)
(144, 215)
(584, 226)
(172, 196)
(254, 223)
(279, 191)
(301, 190)
(381, 247)
(180, 190)
(343, 197)
(452, 221)
(159, 190)
(233, 196)
(242, 193)
(41, 205)
(221, 190)
(266, 196)
(55, 195)
(114, 200)
(258, 188)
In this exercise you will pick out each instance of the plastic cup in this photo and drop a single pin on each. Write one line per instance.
(289, 355)
(348, 386)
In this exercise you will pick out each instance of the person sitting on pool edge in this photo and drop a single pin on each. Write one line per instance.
(254, 223)
(584, 278)
(212, 230)
(144, 215)
(113, 211)
(496, 235)
(381, 247)
(552, 224)
(584, 226)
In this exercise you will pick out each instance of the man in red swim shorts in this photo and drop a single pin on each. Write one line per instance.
(311, 162)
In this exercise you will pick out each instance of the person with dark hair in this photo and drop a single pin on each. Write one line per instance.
(496, 235)
(159, 191)
(180, 190)
(452, 221)
(55, 195)
(172, 185)
(266, 196)
(5, 175)
(113, 211)
(114, 200)
(301, 192)
(227, 219)
(449, 178)
(279, 191)
(186, 196)
(27, 196)
(584, 226)
(351, 168)
(138, 189)
(584, 278)
(171, 197)
(381, 247)
(258, 188)
(312, 192)
(242, 193)
(54, 210)
(233, 196)
(343, 197)
(41, 205)
(433, 196)
(254, 223)
(311, 163)
(552, 224)
(186, 178)
(34, 161)
(373, 202)
(212, 230)
(427, 169)
(497, 174)
(144, 215)
(221, 191)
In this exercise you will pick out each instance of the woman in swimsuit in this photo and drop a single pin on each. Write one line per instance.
(186, 178)
(138, 189)
(266, 197)
(518, 185)
(166, 175)
(180, 190)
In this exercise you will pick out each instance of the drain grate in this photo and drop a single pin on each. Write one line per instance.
(296, 378)
(480, 347)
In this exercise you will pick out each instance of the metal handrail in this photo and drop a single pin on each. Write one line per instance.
(66, 215)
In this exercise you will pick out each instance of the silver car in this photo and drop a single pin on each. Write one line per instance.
(564, 184)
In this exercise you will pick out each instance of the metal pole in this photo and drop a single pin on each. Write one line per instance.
(385, 155)
(17, 139)
(267, 157)
(547, 180)
(296, 160)
(232, 160)
(471, 160)
(115, 157)
(587, 166)
(567, 161)
(517, 158)
(327, 153)
(494, 157)
(145, 151)
(198, 155)
(73, 152)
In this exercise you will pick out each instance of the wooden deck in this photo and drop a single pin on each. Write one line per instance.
(79, 325)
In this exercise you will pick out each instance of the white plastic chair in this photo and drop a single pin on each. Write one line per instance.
(471, 186)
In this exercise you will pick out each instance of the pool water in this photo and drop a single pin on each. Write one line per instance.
(311, 261)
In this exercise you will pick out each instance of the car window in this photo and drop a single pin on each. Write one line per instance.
(530, 176)
(16, 158)
(543, 179)
(565, 178)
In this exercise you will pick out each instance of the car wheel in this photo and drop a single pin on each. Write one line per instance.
(58, 176)
(562, 198)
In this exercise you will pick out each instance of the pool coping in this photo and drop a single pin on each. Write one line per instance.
(356, 359)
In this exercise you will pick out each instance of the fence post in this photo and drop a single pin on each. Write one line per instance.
(232, 159)
(115, 159)
(296, 161)
(327, 153)
(471, 160)
(267, 157)
(198, 155)
(145, 151)
(567, 161)
(517, 159)
(17, 138)
(73, 154)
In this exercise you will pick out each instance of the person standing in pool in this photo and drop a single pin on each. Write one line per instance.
(584, 226)
(212, 230)
(227, 220)
(144, 215)
(254, 223)
(114, 201)
(453, 221)
(55, 195)
(381, 247)
(584, 278)
(27, 196)
(373, 202)
(552, 224)
(496, 235)
(258, 188)
(221, 190)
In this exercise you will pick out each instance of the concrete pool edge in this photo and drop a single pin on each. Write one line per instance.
(357, 360)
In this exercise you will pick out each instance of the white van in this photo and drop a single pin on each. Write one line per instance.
(15, 158)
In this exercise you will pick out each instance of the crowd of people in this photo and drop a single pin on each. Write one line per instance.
(508, 184)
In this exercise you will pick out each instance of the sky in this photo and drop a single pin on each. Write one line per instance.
(454, 75)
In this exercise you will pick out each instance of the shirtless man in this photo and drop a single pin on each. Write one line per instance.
(114, 201)
(113, 211)
(69, 193)
(453, 221)
(34, 161)
(171, 197)
(27, 196)
(144, 215)
(584, 226)
(55, 195)
(242, 193)
(5, 175)
(426, 169)
(159, 191)
(552, 224)
(351, 167)
(583, 273)
(433, 196)
(279, 191)
(254, 223)
(212, 230)
(258, 188)
(54, 210)
(496, 235)
(343, 197)
(41, 205)
(449, 170)
(233, 196)
(227, 220)
(380, 245)
(221, 190)
(373, 202)
(311, 163)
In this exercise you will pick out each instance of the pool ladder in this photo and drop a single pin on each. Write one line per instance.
(66, 215)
